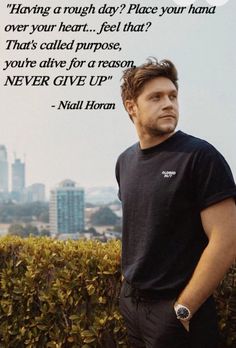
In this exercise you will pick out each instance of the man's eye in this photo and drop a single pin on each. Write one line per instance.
(156, 97)
(173, 97)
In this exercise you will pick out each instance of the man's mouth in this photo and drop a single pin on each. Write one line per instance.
(168, 115)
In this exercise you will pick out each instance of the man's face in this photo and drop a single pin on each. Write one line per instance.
(156, 110)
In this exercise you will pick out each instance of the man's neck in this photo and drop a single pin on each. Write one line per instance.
(147, 141)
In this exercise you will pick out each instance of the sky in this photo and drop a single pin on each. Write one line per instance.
(83, 145)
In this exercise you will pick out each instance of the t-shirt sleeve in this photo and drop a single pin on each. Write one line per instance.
(212, 178)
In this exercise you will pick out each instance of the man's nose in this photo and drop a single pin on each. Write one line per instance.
(167, 102)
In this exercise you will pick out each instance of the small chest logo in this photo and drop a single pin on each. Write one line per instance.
(168, 173)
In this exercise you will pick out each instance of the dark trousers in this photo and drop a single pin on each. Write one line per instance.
(153, 323)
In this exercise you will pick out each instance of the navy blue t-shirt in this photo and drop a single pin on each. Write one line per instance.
(163, 190)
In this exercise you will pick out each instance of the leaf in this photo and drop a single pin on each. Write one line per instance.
(89, 340)
(91, 289)
(19, 262)
(74, 317)
(87, 333)
(102, 299)
(42, 327)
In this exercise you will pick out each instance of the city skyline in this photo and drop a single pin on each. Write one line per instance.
(21, 192)
(17, 190)
(14, 156)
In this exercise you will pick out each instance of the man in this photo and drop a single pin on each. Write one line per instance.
(179, 219)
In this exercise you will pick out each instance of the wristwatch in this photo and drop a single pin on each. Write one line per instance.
(182, 312)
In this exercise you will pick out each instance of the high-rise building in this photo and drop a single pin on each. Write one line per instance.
(18, 179)
(3, 170)
(34, 193)
(66, 208)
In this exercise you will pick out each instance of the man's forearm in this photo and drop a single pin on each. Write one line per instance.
(211, 268)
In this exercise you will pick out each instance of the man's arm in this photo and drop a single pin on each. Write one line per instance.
(219, 223)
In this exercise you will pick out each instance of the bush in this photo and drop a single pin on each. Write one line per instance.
(65, 294)
(59, 294)
(225, 297)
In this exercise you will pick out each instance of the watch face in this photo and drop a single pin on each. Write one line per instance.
(182, 313)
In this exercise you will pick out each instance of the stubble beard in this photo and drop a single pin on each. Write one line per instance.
(155, 130)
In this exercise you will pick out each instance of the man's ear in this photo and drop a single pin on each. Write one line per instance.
(130, 107)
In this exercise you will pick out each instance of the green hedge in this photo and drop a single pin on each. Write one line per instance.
(65, 294)
(225, 297)
(59, 294)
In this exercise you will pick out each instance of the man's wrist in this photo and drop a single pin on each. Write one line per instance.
(182, 311)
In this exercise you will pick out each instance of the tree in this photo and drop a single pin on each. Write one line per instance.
(26, 212)
(93, 231)
(16, 230)
(104, 216)
(23, 231)
(31, 230)
(45, 233)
